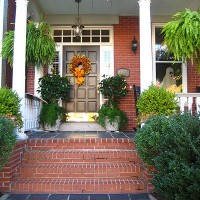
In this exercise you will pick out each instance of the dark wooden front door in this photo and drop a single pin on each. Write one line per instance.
(84, 98)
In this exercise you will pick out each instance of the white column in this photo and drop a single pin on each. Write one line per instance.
(146, 65)
(2, 20)
(19, 55)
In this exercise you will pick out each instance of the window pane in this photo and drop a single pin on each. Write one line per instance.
(105, 32)
(160, 48)
(67, 32)
(95, 32)
(57, 32)
(169, 75)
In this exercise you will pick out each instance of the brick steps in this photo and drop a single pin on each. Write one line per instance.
(80, 171)
(80, 143)
(81, 156)
(79, 186)
(91, 165)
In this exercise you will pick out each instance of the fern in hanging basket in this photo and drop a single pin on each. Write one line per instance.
(182, 36)
(40, 46)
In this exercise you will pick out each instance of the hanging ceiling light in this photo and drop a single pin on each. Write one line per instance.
(77, 27)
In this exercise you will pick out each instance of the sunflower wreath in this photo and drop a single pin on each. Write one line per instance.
(80, 66)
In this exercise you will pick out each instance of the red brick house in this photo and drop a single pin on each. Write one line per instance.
(109, 29)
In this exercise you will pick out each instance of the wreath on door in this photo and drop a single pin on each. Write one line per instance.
(80, 66)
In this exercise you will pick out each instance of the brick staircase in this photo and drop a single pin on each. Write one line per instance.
(87, 165)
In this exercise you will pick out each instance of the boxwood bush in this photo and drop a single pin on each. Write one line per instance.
(172, 145)
(7, 139)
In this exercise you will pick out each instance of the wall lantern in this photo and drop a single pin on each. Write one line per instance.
(77, 27)
(134, 45)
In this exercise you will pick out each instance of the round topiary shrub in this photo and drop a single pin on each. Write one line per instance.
(156, 101)
(172, 145)
(7, 140)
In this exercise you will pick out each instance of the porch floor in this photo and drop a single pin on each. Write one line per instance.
(80, 134)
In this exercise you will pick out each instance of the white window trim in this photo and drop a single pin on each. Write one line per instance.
(184, 65)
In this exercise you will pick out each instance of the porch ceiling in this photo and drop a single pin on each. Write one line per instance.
(114, 7)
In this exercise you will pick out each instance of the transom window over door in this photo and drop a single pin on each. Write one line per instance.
(168, 72)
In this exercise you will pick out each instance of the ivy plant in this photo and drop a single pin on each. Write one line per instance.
(40, 46)
(182, 36)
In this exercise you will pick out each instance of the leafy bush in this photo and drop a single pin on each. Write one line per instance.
(10, 106)
(7, 139)
(172, 145)
(114, 87)
(53, 87)
(156, 100)
(50, 113)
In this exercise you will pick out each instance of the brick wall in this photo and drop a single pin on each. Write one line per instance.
(10, 26)
(193, 77)
(124, 33)
(30, 77)
(8, 173)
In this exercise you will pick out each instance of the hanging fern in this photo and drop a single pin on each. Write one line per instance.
(182, 36)
(40, 47)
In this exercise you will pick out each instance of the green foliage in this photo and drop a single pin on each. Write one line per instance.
(53, 87)
(50, 113)
(112, 113)
(7, 140)
(182, 36)
(10, 106)
(114, 87)
(40, 46)
(156, 100)
(8, 47)
(172, 145)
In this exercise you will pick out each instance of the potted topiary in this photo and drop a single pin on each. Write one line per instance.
(156, 100)
(52, 87)
(110, 116)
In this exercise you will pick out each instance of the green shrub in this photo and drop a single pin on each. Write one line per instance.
(53, 87)
(50, 113)
(113, 88)
(10, 106)
(156, 100)
(172, 145)
(7, 140)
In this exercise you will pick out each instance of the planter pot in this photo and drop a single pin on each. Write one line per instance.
(112, 126)
(53, 128)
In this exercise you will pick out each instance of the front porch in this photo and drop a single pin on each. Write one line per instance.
(189, 102)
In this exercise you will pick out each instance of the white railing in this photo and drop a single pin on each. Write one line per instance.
(32, 110)
(189, 102)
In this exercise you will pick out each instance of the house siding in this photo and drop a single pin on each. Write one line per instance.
(124, 57)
